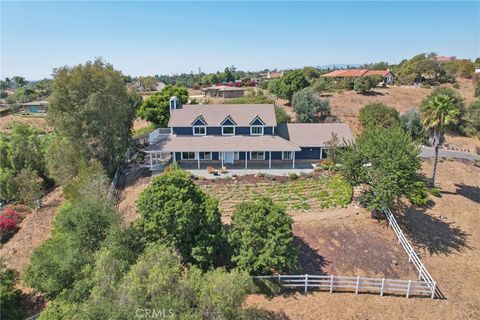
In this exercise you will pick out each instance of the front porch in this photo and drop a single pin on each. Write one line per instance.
(278, 168)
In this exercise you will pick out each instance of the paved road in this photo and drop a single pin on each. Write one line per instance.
(428, 152)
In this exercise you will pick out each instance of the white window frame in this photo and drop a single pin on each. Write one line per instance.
(236, 156)
(289, 157)
(262, 152)
(228, 134)
(200, 134)
(204, 154)
(257, 134)
(194, 155)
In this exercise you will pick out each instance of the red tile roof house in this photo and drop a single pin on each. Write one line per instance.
(238, 135)
(388, 77)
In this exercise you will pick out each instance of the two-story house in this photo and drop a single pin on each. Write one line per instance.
(239, 135)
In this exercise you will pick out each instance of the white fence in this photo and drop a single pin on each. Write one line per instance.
(383, 286)
(423, 274)
(153, 136)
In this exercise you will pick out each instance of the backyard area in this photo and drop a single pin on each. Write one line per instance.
(305, 193)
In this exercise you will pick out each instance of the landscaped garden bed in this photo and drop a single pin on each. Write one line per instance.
(310, 192)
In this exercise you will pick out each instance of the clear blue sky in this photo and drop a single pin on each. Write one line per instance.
(147, 38)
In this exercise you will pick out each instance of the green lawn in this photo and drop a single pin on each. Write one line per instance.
(310, 193)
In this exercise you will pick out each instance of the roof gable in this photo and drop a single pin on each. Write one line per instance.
(257, 122)
(228, 121)
(199, 121)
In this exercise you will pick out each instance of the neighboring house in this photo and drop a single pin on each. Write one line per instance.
(446, 58)
(388, 77)
(223, 92)
(35, 107)
(232, 134)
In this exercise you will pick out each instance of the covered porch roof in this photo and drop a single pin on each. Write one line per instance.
(175, 143)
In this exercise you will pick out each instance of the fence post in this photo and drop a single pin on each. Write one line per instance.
(383, 287)
(331, 283)
(433, 289)
(408, 288)
(358, 284)
(306, 283)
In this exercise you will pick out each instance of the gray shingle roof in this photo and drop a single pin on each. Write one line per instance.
(214, 115)
(313, 134)
(223, 143)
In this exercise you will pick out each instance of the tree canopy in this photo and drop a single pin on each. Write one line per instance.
(261, 238)
(156, 108)
(388, 161)
(91, 107)
(377, 114)
(308, 106)
(286, 86)
(175, 211)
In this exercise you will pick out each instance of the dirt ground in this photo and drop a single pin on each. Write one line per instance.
(38, 122)
(34, 229)
(445, 235)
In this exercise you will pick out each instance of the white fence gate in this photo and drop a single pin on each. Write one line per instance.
(332, 283)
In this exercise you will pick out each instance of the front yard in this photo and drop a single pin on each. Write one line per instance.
(313, 192)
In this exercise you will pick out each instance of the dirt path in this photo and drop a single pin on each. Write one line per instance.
(34, 229)
(446, 236)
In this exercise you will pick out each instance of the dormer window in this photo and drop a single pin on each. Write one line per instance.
(199, 130)
(228, 130)
(256, 130)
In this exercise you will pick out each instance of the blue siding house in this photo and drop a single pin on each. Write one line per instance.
(240, 134)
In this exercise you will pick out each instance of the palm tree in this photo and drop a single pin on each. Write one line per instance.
(437, 113)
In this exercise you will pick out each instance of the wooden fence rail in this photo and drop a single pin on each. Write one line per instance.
(423, 273)
(332, 283)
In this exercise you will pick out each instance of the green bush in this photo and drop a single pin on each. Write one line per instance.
(378, 114)
(78, 231)
(261, 238)
(10, 296)
(308, 106)
(293, 175)
(176, 212)
(412, 123)
(435, 192)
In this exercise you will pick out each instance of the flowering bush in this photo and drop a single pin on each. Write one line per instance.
(8, 224)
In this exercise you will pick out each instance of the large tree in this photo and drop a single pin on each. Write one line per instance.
(175, 211)
(308, 106)
(91, 106)
(388, 161)
(291, 82)
(156, 108)
(261, 238)
(377, 114)
(439, 110)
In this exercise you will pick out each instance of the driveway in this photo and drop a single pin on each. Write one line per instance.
(428, 152)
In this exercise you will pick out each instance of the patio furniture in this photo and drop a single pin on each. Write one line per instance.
(210, 170)
(223, 169)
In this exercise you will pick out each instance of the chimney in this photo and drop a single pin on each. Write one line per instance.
(174, 103)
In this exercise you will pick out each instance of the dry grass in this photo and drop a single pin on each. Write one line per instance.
(39, 122)
(447, 238)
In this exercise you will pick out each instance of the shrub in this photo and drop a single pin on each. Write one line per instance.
(412, 123)
(293, 175)
(10, 296)
(8, 224)
(378, 115)
(30, 187)
(63, 160)
(261, 238)
(281, 115)
(79, 229)
(308, 106)
(175, 211)
(435, 192)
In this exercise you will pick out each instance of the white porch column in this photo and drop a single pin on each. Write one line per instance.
(223, 155)
(198, 159)
(246, 156)
(321, 149)
(293, 159)
(174, 157)
(269, 159)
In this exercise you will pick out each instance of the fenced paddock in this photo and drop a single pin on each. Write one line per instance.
(407, 288)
